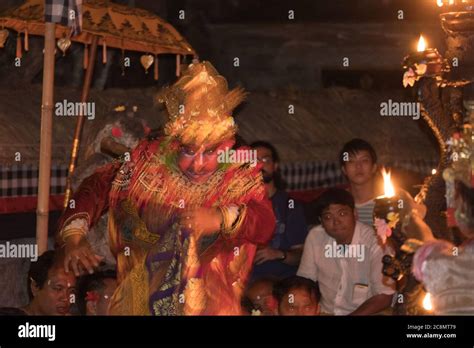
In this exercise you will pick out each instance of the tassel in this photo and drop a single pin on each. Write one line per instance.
(104, 51)
(86, 57)
(123, 61)
(27, 46)
(156, 68)
(178, 65)
(18, 47)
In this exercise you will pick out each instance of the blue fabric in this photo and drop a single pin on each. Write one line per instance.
(290, 230)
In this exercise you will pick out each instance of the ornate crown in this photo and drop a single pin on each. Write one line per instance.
(200, 106)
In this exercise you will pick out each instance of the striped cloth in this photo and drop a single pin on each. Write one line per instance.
(65, 12)
(301, 176)
(22, 180)
(365, 212)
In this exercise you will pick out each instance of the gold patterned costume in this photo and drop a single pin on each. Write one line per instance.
(163, 268)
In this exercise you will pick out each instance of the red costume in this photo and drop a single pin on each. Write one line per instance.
(163, 268)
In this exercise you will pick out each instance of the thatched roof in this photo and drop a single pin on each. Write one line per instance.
(20, 115)
(322, 122)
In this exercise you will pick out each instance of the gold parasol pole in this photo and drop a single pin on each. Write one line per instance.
(81, 118)
(42, 209)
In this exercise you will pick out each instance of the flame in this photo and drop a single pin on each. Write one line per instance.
(441, 3)
(389, 190)
(433, 171)
(427, 302)
(421, 44)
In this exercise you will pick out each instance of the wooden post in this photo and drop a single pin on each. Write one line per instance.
(44, 182)
(81, 118)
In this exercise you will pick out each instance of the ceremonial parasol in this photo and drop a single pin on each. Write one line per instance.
(93, 23)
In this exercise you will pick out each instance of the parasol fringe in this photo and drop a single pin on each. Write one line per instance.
(27, 46)
(104, 51)
(156, 68)
(19, 53)
(178, 65)
(86, 57)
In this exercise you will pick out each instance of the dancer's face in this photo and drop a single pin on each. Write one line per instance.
(198, 163)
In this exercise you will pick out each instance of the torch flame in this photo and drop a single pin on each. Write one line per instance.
(389, 190)
(421, 44)
(439, 3)
(427, 302)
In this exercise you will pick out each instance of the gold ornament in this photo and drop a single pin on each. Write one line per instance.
(147, 60)
(64, 44)
(3, 36)
(207, 104)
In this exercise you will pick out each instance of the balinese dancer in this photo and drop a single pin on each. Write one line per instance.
(184, 224)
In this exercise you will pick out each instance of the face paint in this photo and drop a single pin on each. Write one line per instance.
(199, 163)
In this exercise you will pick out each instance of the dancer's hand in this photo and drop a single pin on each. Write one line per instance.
(414, 227)
(201, 221)
(79, 256)
(409, 204)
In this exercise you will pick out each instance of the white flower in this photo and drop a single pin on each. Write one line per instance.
(409, 78)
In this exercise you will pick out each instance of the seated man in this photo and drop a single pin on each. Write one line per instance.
(279, 259)
(50, 288)
(297, 296)
(94, 292)
(344, 257)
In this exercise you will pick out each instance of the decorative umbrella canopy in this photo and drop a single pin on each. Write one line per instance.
(116, 26)
(103, 23)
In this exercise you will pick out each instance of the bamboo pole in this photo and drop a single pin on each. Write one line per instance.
(44, 182)
(81, 118)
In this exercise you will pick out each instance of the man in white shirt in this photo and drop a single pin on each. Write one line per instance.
(345, 258)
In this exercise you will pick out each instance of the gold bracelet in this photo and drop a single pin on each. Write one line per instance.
(225, 218)
(71, 232)
(231, 231)
(411, 245)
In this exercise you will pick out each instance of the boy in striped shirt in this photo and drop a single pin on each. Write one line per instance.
(359, 164)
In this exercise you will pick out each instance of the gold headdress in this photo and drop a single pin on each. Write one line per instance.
(200, 106)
